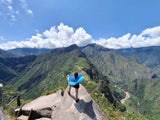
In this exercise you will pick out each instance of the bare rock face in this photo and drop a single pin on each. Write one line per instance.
(41, 107)
(84, 109)
(3, 116)
(42, 102)
(58, 107)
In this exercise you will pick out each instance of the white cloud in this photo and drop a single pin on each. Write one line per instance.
(10, 8)
(15, 8)
(13, 18)
(63, 35)
(24, 6)
(148, 37)
(29, 12)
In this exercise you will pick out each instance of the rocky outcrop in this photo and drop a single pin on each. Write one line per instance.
(58, 107)
(85, 109)
(41, 107)
(3, 116)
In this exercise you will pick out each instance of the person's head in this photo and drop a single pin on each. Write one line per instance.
(76, 75)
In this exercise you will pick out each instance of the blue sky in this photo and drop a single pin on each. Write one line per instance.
(59, 23)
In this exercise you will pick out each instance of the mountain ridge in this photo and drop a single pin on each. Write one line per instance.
(145, 55)
(20, 52)
(114, 64)
(47, 72)
(4, 53)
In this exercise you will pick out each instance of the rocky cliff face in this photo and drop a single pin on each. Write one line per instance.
(58, 107)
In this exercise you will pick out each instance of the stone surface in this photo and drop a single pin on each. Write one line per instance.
(42, 106)
(3, 116)
(43, 118)
(85, 109)
(42, 102)
(58, 107)
(22, 117)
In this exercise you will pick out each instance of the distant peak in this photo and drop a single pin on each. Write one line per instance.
(97, 47)
(66, 49)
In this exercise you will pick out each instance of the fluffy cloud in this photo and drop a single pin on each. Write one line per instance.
(148, 37)
(63, 35)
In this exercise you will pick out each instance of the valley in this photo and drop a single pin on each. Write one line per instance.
(37, 75)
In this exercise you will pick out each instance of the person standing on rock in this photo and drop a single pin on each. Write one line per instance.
(73, 81)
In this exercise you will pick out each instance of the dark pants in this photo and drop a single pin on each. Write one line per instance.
(76, 86)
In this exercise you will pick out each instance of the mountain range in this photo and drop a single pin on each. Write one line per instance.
(28, 51)
(146, 55)
(36, 75)
(4, 53)
(130, 75)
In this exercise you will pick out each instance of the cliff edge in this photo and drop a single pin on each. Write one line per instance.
(58, 107)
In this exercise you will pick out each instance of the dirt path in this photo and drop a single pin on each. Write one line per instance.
(127, 97)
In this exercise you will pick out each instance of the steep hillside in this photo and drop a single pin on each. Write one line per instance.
(4, 53)
(34, 76)
(145, 97)
(28, 51)
(47, 72)
(130, 75)
(147, 55)
(118, 68)
(10, 68)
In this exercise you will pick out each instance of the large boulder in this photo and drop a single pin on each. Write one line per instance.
(43, 102)
(58, 107)
(42, 106)
(84, 109)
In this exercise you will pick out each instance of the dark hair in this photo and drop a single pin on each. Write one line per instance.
(76, 75)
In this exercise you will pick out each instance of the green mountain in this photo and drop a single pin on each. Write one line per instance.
(28, 51)
(4, 53)
(146, 55)
(34, 76)
(11, 67)
(47, 72)
(130, 75)
(145, 97)
(118, 68)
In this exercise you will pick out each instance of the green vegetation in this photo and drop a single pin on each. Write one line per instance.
(128, 74)
(10, 100)
(118, 68)
(145, 97)
(113, 113)
(4, 53)
(147, 55)
(46, 73)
